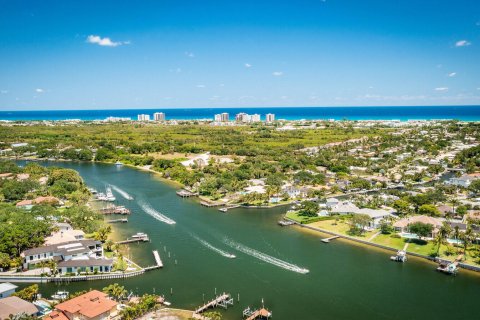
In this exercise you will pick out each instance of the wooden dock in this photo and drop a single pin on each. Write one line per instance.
(225, 209)
(158, 262)
(133, 240)
(115, 210)
(211, 204)
(124, 220)
(256, 314)
(327, 240)
(222, 300)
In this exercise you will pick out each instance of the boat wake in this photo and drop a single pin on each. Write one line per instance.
(265, 257)
(122, 192)
(154, 213)
(211, 247)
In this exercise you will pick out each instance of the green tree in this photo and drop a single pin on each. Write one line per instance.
(4, 261)
(29, 293)
(402, 207)
(421, 229)
(358, 222)
(116, 291)
(308, 208)
(428, 210)
(102, 233)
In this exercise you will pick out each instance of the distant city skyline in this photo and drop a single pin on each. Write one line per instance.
(57, 55)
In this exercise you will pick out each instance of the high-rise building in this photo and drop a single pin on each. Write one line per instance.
(143, 117)
(270, 117)
(244, 117)
(255, 118)
(218, 118)
(159, 116)
(241, 117)
(225, 117)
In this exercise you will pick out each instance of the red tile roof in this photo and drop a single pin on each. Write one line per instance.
(90, 304)
(55, 315)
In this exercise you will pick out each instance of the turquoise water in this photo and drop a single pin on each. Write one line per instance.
(466, 113)
(345, 281)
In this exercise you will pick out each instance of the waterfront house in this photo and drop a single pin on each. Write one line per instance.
(73, 256)
(376, 215)
(16, 307)
(93, 305)
(6, 289)
(402, 225)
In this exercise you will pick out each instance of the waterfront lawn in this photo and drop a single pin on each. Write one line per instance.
(340, 227)
(389, 241)
(293, 215)
(425, 248)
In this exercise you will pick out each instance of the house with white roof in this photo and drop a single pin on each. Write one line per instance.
(6, 289)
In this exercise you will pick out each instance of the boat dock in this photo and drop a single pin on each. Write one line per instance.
(285, 223)
(115, 210)
(222, 300)
(158, 262)
(211, 204)
(186, 194)
(143, 238)
(225, 209)
(123, 220)
(256, 314)
(327, 240)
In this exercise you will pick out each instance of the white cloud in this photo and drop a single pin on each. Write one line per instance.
(248, 65)
(462, 43)
(4, 91)
(105, 42)
(200, 86)
(277, 73)
(39, 90)
(189, 54)
(441, 89)
(452, 74)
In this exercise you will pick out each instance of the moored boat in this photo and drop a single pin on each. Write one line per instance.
(401, 256)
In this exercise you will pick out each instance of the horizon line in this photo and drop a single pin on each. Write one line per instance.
(270, 107)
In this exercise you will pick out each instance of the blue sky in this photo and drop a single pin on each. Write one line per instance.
(181, 54)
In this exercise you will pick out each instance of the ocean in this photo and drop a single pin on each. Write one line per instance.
(464, 113)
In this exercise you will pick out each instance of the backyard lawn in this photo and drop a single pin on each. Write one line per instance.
(340, 227)
(388, 240)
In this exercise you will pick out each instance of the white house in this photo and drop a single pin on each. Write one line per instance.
(81, 255)
(6, 289)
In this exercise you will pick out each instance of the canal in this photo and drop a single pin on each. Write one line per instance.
(345, 280)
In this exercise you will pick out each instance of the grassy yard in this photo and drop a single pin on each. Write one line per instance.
(301, 219)
(422, 247)
(388, 240)
(340, 227)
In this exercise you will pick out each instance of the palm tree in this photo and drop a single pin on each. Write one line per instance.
(442, 235)
(115, 291)
(467, 237)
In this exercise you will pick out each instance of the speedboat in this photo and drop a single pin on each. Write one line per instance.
(109, 194)
(140, 235)
(60, 295)
(118, 164)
